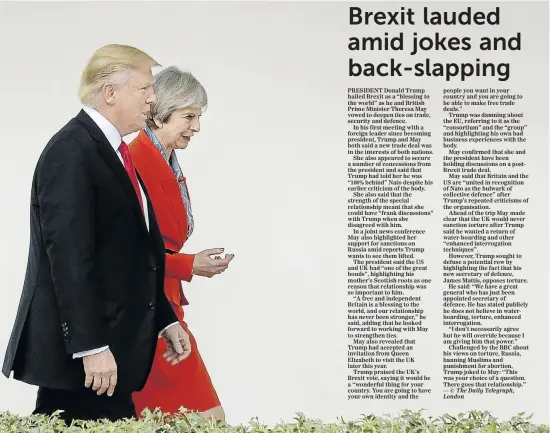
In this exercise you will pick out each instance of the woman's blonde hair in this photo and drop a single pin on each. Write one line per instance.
(107, 65)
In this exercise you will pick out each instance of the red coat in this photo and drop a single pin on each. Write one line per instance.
(169, 210)
(186, 384)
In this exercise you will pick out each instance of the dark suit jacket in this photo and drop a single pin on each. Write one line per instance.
(95, 273)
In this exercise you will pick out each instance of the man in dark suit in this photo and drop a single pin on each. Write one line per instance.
(93, 303)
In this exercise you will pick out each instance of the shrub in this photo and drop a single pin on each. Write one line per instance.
(190, 422)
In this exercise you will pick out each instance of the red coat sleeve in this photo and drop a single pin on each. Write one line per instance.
(179, 266)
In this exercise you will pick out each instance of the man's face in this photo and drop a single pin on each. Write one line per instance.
(133, 101)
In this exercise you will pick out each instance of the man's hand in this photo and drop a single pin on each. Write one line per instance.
(101, 372)
(205, 266)
(177, 341)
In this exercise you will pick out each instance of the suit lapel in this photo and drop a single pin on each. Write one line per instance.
(113, 161)
(175, 203)
(153, 232)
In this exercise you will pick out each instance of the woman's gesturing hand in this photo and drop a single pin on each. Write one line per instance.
(206, 266)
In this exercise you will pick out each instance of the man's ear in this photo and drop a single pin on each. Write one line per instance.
(108, 93)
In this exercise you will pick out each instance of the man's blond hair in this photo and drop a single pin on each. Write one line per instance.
(104, 64)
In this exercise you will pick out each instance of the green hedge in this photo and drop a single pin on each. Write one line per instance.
(190, 422)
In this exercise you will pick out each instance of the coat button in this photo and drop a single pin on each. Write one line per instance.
(151, 305)
(153, 267)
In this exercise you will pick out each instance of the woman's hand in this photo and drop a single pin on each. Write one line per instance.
(205, 266)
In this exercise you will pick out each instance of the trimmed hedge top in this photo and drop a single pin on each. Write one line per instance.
(190, 422)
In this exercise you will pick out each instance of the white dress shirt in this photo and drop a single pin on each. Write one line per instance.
(114, 138)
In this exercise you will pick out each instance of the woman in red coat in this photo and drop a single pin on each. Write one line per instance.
(173, 119)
